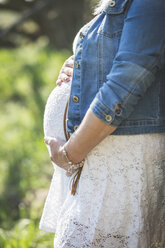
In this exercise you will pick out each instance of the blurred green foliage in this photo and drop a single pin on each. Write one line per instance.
(27, 76)
(25, 234)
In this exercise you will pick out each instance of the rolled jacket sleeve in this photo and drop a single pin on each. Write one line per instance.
(139, 57)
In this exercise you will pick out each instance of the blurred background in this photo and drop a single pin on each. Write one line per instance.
(35, 39)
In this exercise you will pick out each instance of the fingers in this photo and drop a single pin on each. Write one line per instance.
(69, 62)
(49, 140)
(64, 79)
(56, 156)
(64, 76)
(52, 141)
(66, 71)
(59, 82)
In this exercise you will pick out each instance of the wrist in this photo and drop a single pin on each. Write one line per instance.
(72, 166)
(74, 153)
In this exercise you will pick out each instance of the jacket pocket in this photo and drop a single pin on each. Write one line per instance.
(118, 8)
(113, 21)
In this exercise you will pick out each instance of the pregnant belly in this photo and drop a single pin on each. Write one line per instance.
(54, 111)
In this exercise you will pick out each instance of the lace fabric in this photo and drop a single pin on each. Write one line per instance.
(120, 199)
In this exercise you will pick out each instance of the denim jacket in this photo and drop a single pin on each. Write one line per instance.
(119, 68)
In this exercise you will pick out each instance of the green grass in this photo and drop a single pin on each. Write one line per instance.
(25, 234)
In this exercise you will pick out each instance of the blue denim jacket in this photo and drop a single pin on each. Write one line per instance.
(119, 68)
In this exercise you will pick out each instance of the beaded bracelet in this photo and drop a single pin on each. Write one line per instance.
(72, 166)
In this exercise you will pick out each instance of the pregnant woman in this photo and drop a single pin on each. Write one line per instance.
(116, 123)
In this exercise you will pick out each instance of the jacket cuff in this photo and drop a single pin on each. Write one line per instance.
(116, 100)
(104, 113)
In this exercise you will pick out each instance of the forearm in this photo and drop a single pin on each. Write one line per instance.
(90, 133)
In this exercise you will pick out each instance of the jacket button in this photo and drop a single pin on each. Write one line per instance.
(77, 65)
(75, 127)
(75, 99)
(112, 3)
(108, 118)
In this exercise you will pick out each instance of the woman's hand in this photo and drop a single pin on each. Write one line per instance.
(57, 156)
(66, 72)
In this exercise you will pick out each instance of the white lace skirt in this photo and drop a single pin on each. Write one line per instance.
(120, 199)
